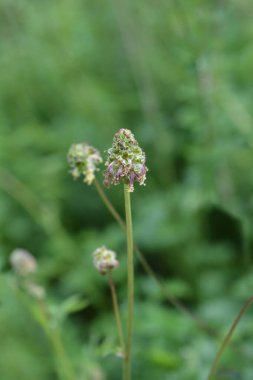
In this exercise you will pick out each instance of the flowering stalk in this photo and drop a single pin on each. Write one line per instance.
(25, 265)
(117, 314)
(62, 363)
(78, 163)
(105, 261)
(130, 270)
(146, 266)
(126, 163)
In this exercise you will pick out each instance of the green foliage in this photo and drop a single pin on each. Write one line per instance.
(178, 74)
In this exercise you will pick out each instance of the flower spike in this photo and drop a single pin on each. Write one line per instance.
(126, 161)
(83, 160)
(104, 260)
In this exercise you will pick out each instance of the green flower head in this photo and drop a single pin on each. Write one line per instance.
(104, 260)
(23, 262)
(126, 161)
(83, 160)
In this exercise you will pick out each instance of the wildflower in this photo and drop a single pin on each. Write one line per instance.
(23, 262)
(83, 160)
(126, 161)
(104, 260)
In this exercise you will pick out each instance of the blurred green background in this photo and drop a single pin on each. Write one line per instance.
(179, 75)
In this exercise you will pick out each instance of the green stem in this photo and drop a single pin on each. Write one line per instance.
(116, 313)
(228, 337)
(108, 204)
(130, 270)
(170, 297)
(62, 362)
(246, 242)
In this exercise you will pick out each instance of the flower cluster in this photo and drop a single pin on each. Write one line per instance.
(104, 260)
(23, 262)
(83, 160)
(126, 161)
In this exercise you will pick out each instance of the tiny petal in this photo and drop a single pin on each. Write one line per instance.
(119, 172)
(131, 179)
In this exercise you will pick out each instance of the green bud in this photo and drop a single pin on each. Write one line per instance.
(83, 160)
(23, 262)
(126, 161)
(104, 260)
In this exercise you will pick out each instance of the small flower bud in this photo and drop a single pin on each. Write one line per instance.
(83, 160)
(36, 291)
(23, 262)
(104, 259)
(126, 161)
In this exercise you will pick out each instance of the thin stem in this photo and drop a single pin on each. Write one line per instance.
(246, 242)
(109, 205)
(116, 312)
(130, 270)
(228, 337)
(170, 297)
(63, 365)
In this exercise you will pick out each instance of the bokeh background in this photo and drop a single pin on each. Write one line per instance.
(179, 75)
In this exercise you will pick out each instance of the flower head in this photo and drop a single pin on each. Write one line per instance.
(126, 161)
(23, 262)
(104, 260)
(83, 160)
(35, 290)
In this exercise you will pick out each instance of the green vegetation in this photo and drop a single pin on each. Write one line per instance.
(178, 74)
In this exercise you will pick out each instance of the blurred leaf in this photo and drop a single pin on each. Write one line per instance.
(70, 305)
(164, 359)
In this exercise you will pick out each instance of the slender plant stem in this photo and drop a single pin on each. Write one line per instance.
(116, 312)
(170, 297)
(246, 242)
(130, 270)
(228, 337)
(62, 362)
(109, 205)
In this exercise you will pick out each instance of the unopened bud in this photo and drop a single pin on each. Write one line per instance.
(23, 262)
(104, 260)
